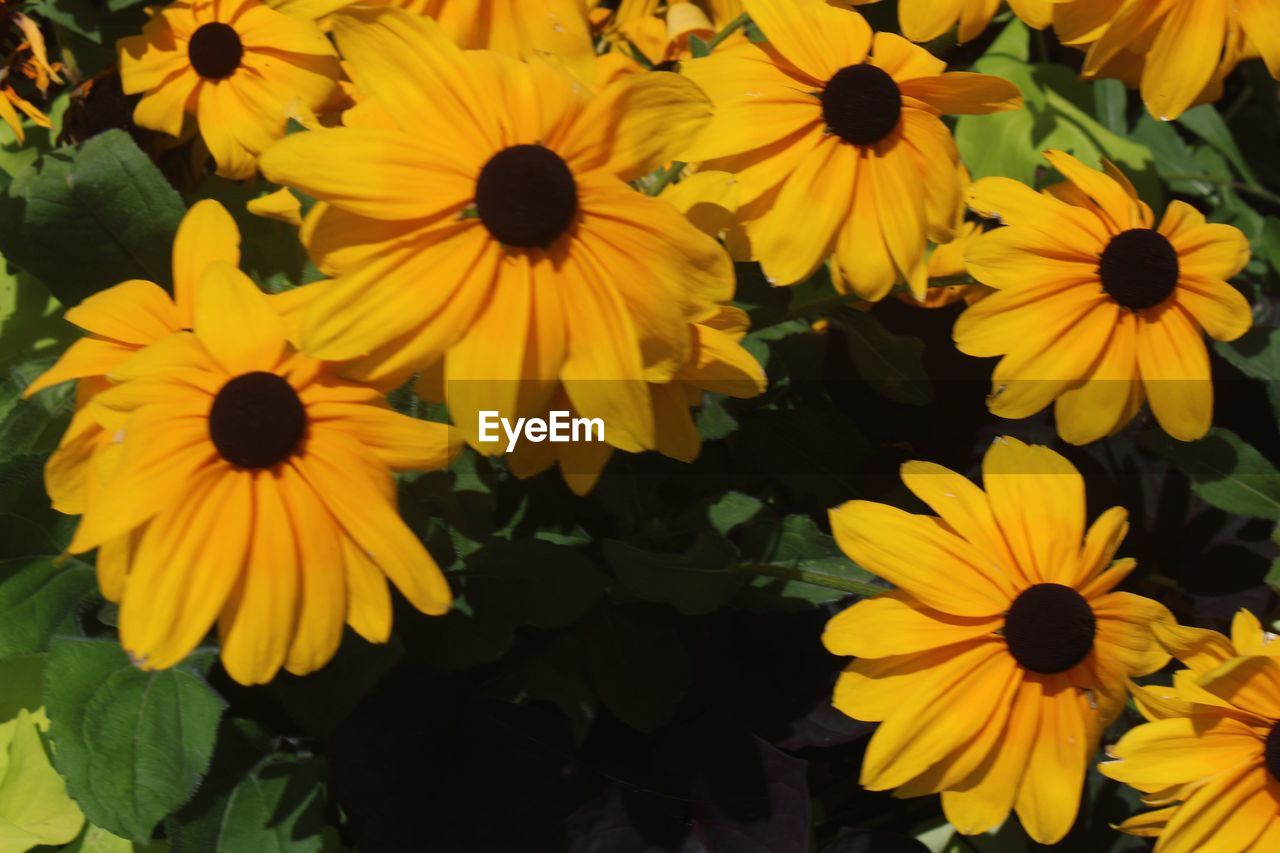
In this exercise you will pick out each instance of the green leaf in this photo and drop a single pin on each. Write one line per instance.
(107, 202)
(97, 840)
(276, 808)
(1257, 354)
(1205, 122)
(504, 586)
(35, 597)
(891, 364)
(1111, 99)
(34, 806)
(1174, 158)
(133, 745)
(638, 665)
(695, 583)
(1224, 471)
(795, 543)
(1057, 113)
(555, 674)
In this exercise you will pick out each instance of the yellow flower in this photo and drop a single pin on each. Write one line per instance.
(251, 487)
(837, 144)
(30, 59)
(121, 321)
(947, 261)
(1097, 307)
(238, 66)
(925, 20)
(717, 363)
(1003, 653)
(1210, 755)
(476, 206)
(1178, 48)
(556, 30)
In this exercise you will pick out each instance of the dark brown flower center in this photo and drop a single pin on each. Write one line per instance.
(526, 196)
(257, 420)
(1139, 268)
(215, 50)
(861, 104)
(1271, 753)
(1049, 628)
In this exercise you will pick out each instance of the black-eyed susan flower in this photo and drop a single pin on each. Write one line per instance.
(250, 487)
(1209, 757)
(925, 20)
(121, 321)
(476, 207)
(717, 363)
(1098, 308)
(238, 66)
(555, 30)
(836, 139)
(995, 664)
(1177, 49)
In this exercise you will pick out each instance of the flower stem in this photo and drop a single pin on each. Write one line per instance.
(1238, 186)
(792, 573)
(730, 28)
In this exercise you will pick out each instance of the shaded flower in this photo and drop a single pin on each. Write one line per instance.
(238, 66)
(1004, 651)
(1209, 757)
(1098, 308)
(1178, 51)
(837, 143)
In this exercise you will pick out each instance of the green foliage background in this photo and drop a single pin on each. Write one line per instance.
(637, 669)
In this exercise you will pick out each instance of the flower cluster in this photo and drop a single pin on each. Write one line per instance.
(520, 207)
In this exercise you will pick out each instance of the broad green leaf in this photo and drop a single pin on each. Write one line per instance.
(36, 595)
(1057, 113)
(1111, 99)
(694, 583)
(1174, 159)
(133, 745)
(794, 543)
(34, 806)
(1257, 354)
(277, 807)
(1224, 471)
(732, 509)
(638, 664)
(107, 201)
(31, 324)
(506, 585)
(1205, 122)
(891, 364)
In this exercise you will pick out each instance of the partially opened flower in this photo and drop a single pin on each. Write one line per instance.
(238, 66)
(251, 488)
(478, 209)
(717, 363)
(1209, 759)
(1177, 48)
(1098, 308)
(121, 321)
(1004, 651)
(836, 139)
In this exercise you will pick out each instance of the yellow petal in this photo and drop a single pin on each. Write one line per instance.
(207, 235)
(817, 38)
(1049, 797)
(818, 194)
(1175, 372)
(133, 312)
(1184, 57)
(895, 624)
(234, 321)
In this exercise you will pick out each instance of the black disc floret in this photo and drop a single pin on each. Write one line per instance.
(1050, 628)
(526, 196)
(1271, 752)
(257, 420)
(215, 50)
(1139, 268)
(861, 104)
